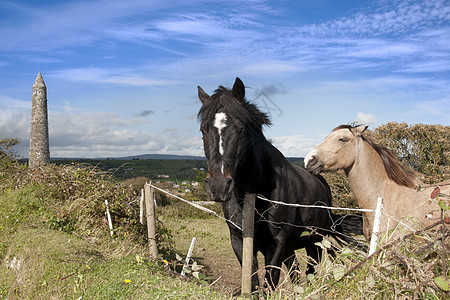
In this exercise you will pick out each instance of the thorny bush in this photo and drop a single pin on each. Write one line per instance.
(425, 147)
(69, 190)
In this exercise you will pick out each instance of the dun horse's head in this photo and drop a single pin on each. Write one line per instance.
(229, 124)
(345, 145)
(337, 151)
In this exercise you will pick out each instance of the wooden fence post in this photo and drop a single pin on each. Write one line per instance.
(376, 227)
(247, 249)
(151, 221)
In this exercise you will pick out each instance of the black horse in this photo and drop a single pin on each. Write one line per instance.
(240, 160)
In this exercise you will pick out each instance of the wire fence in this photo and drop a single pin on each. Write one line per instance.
(195, 205)
(248, 259)
(378, 212)
(279, 223)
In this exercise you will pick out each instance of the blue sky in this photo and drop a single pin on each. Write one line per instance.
(122, 76)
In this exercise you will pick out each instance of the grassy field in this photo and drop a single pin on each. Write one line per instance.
(55, 244)
(154, 169)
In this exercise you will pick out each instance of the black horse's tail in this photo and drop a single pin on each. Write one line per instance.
(345, 227)
(350, 224)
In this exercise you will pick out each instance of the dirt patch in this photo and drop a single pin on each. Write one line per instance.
(212, 249)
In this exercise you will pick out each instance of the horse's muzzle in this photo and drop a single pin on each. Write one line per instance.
(219, 189)
(312, 163)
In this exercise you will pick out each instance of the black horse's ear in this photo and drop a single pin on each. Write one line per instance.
(202, 95)
(238, 89)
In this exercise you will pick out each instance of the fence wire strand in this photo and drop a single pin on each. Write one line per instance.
(314, 206)
(196, 206)
(281, 223)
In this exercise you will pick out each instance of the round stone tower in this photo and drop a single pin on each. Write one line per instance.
(39, 147)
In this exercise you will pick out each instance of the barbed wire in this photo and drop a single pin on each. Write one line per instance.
(383, 211)
(196, 206)
(314, 206)
(263, 218)
(282, 223)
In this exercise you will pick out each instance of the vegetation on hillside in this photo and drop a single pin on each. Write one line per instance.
(425, 147)
(55, 240)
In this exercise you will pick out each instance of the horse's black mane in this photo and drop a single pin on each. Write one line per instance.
(246, 112)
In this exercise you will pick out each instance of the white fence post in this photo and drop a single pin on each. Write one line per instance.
(376, 227)
(142, 218)
(188, 256)
(109, 218)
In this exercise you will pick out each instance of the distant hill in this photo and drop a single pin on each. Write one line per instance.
(161, 156)
(142, 156)
(154, 166)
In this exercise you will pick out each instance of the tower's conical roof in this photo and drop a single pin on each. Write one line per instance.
(39, 82)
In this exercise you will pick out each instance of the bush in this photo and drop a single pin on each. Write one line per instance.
(6, 147)
(425, 147)
(341, 192)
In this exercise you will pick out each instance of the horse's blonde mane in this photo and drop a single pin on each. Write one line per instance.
(396, 171)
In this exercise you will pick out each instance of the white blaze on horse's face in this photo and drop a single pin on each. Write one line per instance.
(219, 123)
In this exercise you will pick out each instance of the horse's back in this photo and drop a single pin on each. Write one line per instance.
(315, 187)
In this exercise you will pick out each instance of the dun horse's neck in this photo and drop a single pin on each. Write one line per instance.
(369, 180)
(367, 177)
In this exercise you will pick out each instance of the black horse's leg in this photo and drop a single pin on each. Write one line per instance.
(237, 244)
(274, 258)
(314, 252)
(269, 270)
(292, 266)
(233, 211)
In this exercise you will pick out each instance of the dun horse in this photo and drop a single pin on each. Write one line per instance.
(373, 172)
(240, 160)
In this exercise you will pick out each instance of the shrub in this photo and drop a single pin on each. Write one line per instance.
(425, 147)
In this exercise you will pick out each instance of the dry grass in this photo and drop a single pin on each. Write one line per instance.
(55, 244)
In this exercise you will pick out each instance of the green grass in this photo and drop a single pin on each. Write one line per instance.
(62, 266)
(178, 170)
(55, 243)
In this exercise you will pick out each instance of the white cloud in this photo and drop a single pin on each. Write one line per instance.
(439, 107)
(396, 17)
(365, 118)
(270, 67)
(295, 145)
(97, 135)
(113, 76)
(15, 116)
